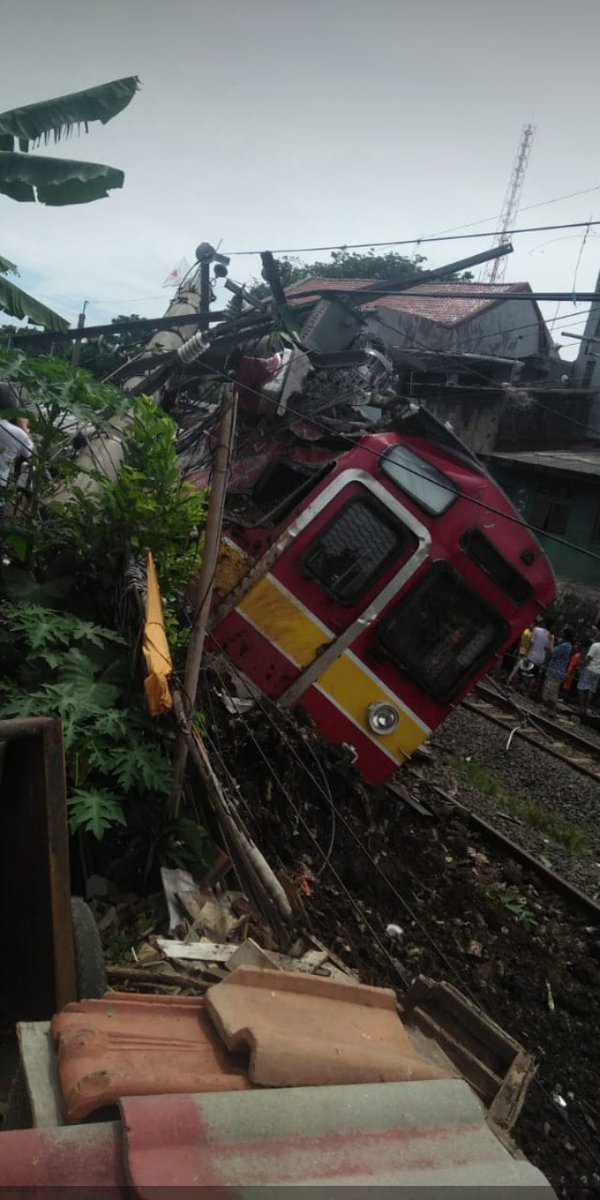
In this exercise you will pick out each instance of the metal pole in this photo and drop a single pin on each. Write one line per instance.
(203, 588)
(77, 344)
(204, 293)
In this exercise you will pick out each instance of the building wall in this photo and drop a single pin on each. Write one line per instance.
(475, 419)
(521, 486)
(542, 421)
(511, 329)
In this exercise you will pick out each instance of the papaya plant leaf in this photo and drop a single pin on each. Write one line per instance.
(95, 812)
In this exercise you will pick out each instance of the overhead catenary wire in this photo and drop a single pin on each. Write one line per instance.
(419, 241)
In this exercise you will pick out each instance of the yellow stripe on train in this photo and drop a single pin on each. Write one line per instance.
(346, 682)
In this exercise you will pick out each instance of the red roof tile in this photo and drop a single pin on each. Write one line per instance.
(302, 1030)
(443, 311)
(129, 1045)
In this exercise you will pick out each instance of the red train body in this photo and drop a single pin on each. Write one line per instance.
(385, 594)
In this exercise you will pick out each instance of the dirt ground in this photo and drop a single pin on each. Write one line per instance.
(467, 915)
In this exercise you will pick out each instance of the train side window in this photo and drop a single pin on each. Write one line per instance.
(429, 488)
(441, 633)
(354, 548)
(489, 559)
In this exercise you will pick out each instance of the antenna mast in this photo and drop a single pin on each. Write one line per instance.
(511, 200)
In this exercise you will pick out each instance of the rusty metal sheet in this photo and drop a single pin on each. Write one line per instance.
(35, 891)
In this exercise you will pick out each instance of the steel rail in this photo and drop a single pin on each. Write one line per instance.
(557, 882)
(535, 729)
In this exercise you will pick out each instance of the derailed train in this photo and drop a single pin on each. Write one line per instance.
(380, 590)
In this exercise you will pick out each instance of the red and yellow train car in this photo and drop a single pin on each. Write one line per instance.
(385, 594)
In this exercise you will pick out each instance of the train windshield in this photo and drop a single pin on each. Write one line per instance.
(490, 560)
(441, 633)
(349, 555)
(431, 489)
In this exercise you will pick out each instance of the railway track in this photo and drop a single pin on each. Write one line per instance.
(511, 848)
(552, 736)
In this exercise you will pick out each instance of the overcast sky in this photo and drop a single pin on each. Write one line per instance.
(284, 123)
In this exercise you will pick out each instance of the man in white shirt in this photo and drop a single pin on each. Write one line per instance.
(15, 441)
(589, 678)
(541, 646)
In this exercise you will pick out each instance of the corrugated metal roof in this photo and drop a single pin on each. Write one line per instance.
(441, 310)
(419, 1134)
(584, 461)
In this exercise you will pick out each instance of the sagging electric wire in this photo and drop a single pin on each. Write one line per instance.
(278, 729)
(394, 891)
(418, 241)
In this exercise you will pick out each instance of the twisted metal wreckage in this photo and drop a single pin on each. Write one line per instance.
(264, 426)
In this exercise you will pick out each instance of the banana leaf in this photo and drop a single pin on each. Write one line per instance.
(59, 116)
(6, 265)
(55, 180)
(17, 303)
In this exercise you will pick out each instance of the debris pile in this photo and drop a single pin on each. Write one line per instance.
(194, 936)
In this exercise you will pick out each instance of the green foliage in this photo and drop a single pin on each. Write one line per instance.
(515, 905)
(26, 177)
(18, 303)
(531, 812)
(60, 665)
(50, 180)
(60, 608)
(95, 812)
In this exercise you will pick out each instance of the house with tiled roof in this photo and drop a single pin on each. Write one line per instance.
(411, 321)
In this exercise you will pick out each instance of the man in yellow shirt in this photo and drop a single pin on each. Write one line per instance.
(522, 653)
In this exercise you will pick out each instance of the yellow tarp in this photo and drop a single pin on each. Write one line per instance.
(156, 648)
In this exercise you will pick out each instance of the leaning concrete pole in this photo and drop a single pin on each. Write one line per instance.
(104, 451)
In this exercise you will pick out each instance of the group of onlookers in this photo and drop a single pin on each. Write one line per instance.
(549, 666)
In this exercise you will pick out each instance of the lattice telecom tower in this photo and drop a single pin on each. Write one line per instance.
(511, 201)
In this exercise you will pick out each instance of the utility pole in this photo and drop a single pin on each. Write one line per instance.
(77, 344)
(511, 200)
(203, 586)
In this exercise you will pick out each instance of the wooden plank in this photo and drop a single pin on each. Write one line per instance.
(197, 951)
(507, 1104)
(119, 974)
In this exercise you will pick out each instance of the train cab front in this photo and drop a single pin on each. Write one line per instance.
(385, 595)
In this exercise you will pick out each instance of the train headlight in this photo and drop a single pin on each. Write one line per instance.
(383, 717)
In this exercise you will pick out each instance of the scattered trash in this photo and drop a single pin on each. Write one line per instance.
(197, 951)
(234, 704)
(559, 1100)
(175, 882)
(394, 931)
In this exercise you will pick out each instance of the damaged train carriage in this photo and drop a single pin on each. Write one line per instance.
(370, 577)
